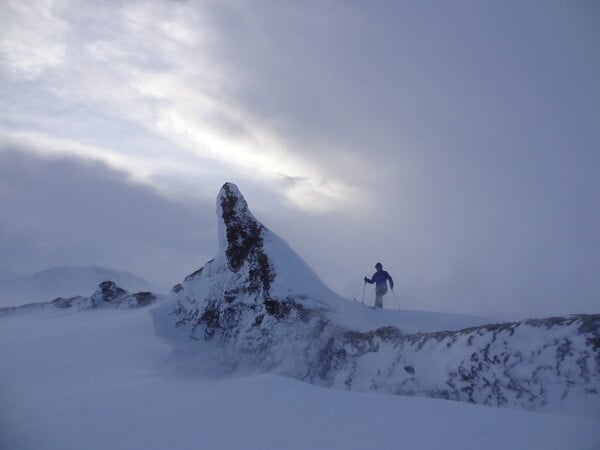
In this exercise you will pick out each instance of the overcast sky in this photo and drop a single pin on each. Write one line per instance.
(456, 142)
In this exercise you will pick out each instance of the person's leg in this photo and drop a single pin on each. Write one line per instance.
(378, 300)
(379, 293)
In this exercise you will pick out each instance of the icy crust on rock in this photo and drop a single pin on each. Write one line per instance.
(258, 308)
(108, 295)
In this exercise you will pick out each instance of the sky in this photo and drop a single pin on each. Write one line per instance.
(456, 142)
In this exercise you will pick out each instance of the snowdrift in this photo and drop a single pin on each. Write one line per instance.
(258, 308)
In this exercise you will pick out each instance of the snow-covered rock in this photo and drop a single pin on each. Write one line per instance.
(65, 281)
(108, 295)
(258, 308)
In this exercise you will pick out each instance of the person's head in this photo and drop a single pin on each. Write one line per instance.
(378, 266)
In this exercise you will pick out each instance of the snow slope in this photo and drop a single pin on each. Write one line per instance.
(100, 379)
(258, 308)
(65, 281)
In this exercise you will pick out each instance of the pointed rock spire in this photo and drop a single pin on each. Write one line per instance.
(240, 233)
(241, 240)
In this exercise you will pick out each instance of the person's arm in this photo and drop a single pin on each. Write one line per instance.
(368, 281)
(391, 281)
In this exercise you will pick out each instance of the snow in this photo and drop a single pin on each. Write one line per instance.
(65, 281)
(101, 379)
(295, 276)
(257, 308)
(147, 378)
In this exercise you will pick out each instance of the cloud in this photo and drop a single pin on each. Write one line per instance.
(66, 210)
(32, 37)
(157, 66)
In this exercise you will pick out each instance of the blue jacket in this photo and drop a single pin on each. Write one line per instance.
(379, 278)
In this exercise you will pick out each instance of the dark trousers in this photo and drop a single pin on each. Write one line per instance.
(380, 291)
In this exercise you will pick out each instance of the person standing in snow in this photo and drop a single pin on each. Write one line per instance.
(380, 278)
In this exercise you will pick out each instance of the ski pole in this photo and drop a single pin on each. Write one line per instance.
(363, 297)
(396, 297)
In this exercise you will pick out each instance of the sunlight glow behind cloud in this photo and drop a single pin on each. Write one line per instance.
(158, 66)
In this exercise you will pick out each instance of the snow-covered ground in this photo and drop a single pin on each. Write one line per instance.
(101, 379)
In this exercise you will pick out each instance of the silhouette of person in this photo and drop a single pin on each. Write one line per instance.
(380, 278)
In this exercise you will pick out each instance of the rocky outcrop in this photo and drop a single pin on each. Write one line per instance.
(108, 292)
(523, 364)
(108, 295)
(262, 309)
(65, 281)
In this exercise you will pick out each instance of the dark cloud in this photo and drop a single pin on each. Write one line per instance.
(368, 89)
(65, 210)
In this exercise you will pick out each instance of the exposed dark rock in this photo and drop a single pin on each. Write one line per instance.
(278, 309)
(109, 291)
(65, 303)
(210, 318)
(108, 295)
(245, 242)
(144, 298)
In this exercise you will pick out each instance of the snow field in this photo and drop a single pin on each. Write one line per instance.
(103, 380)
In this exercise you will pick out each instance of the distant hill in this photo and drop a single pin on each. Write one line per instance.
(65, 281)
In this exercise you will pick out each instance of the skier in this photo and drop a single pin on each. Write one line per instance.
(380, 278)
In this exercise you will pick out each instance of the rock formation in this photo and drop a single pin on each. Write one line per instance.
(108, 295)
(261, 309)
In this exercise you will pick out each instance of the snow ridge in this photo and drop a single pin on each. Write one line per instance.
(65, 281)
(528, 364)
(108, 295)
(260, 309)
